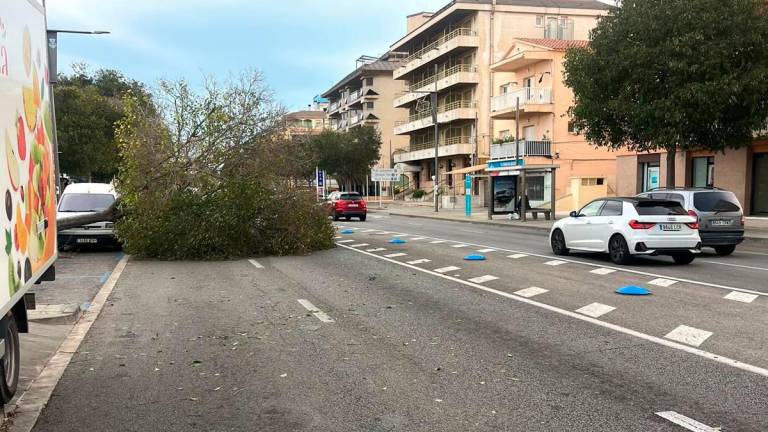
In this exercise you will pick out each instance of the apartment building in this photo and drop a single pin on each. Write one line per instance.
(365, 98)
(452, 52)
(306, 122)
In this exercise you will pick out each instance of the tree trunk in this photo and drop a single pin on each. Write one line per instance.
(671, 167)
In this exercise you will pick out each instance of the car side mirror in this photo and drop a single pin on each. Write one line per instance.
(574, 214)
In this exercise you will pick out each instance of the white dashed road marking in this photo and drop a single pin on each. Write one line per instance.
(376, 250)
(421, 261)
(437, 242)
(736, 265)
(517, 256)
(483, 279)
(602, 271)
(418, 238)
(555, 263)
(395, 255)
(686, 422)
(460, 245)
(741, 297)
(399, 235)
(322, 316)
(531, 292)
(256, 264)
(359, 245)
(368, 230)
(662, 282)
(486, 250)
(718, 358)
(595, 310)
(689, 335)
(447, 269)
(345, 241)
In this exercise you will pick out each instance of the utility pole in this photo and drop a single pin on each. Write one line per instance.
(437, 137)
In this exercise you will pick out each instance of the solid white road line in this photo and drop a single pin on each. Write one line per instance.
(595, 310)
(483, 279)
(256, 264)
(686, 422)
(653, 339)
(662, 282)
(517, 256)
(345, 241)
(359, 245)
(399, 235)
(736, 265)
(555, 263)
(741, 297)
(621, 269)
(486, 250)
(460, 245)
(447, 269)
(338, 238)
(322, 316)
(376, 250)
(689, 335)
(531, 292)
(420, 261)
(396, 255)
(602, 271)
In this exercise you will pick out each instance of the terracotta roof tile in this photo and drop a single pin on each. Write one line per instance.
(556, 44)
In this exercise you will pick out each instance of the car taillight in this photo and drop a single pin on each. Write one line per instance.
(693, 225)
(640, 225)
(743, 220)
(693, 213)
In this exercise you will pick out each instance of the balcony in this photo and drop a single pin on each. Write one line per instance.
(532, 99)
(458, 110)
(355, 96)
(355, 117)
(453, 146)
(459, 74)
(459, 38)
(333, 107)
(527, 148)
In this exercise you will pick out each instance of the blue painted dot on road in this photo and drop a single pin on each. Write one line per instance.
(347, 231)
(474, 258)
(633, 291)
(397, 241)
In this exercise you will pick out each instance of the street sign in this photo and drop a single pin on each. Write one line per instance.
(320, 178)
(385, 175)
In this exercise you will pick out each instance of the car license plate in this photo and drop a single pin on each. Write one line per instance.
(87, 240)
(353, 205)
(720, 222)
(671, 227)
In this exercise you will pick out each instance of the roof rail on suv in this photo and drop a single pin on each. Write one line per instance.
(683, 188)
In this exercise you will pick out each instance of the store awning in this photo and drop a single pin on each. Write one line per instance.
(467, 170)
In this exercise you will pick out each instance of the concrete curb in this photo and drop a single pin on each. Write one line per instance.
(748, 239)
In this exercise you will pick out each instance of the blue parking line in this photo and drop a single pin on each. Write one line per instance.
(104, 277)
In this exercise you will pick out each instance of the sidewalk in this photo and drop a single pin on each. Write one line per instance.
(756, 229)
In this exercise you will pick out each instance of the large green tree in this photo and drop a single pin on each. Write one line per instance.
(347, 156)
(88, 107)
(673, 75)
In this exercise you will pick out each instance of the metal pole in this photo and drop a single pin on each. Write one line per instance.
(553, 195)
(437, 137)
(524, 195)
(517, 130)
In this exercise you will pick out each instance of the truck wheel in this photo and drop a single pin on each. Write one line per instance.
(9, 365)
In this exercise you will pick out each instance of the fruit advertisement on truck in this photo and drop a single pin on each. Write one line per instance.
(27, 183)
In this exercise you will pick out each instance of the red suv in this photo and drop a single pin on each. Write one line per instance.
(347, 205)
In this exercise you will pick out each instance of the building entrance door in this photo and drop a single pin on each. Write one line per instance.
(760, 184)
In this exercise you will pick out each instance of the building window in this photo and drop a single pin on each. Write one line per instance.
(535, 186)
(573, 128)
(504, 135)
(539, 20)
(369, 82)
(703, 172)
(592, 181)
(369, 105)
(651, 174)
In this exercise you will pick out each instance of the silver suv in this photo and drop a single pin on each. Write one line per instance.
(721, 218)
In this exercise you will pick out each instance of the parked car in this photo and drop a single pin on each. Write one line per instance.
(347, 205)
(624, 227)
(719, 213)
(83, 198)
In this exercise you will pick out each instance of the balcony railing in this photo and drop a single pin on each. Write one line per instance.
(355, 117)
(452, 35)
(443, 142)
(527, 148)
(334, 106)
(527, 95)
(355, 95)
(440, 109)
(443, 74)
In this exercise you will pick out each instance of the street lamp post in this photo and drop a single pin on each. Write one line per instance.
(53, 44)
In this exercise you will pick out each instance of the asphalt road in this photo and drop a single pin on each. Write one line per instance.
(378, 344)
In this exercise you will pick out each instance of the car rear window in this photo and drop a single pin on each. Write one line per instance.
(659, 208)
(716, 201)
(351, 196)
(84, 202)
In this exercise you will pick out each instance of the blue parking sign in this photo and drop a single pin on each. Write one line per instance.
(320, 178)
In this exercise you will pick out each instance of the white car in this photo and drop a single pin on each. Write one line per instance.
(83, 198)
(624, 227)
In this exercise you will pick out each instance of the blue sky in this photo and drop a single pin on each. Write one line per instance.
(302, 46)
